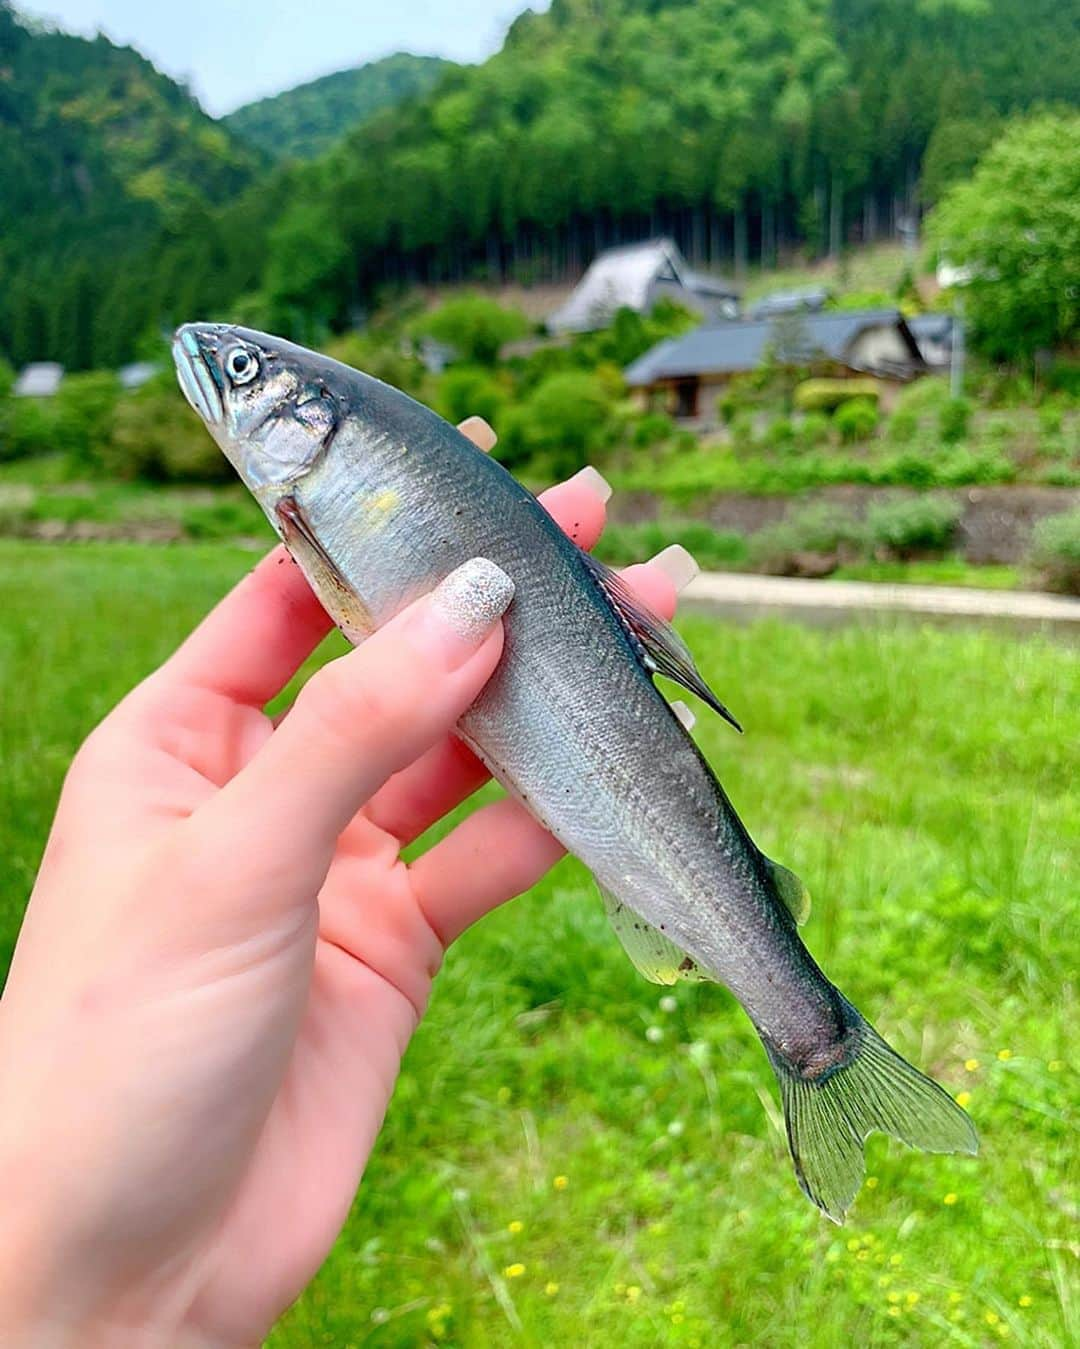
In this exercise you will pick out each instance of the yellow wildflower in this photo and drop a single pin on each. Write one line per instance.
(893, 1297)
(561, 1182)
(991, 1318)
(633, 1293)
(963, 1098)
(551, 1288)
(1024, 1301)
(950, 1198)
(515, 1227)
(894, 1311)
(970, 1065)
(896, 1260)
(955, 1297)
(911, 1298)
(853, 1243)
(514, 1271)
(1004, 1055)
(871, 1182)
(677, 1318)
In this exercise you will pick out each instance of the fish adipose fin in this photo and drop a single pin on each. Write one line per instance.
(658, 645)
(653, 955)
(829, 1115)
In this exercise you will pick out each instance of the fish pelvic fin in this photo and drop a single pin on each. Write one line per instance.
(653, 955)
(830, 1115)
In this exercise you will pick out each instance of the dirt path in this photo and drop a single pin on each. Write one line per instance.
(736, 593)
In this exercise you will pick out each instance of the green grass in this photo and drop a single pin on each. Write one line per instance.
(876, 267)
(945, 571)
(923, 783)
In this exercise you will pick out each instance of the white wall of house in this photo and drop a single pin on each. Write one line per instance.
(875, 348)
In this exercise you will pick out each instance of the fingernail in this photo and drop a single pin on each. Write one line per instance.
(677, 565)
(479, 432)
(472, 599)
(595, 481)
(685, 716)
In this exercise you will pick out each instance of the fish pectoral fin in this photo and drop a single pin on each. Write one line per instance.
(659, 647)
(653, 955)
(790, 890)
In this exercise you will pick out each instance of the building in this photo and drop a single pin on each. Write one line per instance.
(810, 299)
(135, 375)
(636, 277)
(685, 371)
(935, 335)
(41, 379)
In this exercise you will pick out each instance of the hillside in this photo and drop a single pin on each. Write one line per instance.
(99, 153)
(307, 120)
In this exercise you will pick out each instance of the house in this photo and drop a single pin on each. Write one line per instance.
(635, 277)
(809, 299)
(135, 375)
(686, 370)
(41, 379)
(935, 334)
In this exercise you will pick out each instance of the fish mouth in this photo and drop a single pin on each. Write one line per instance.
(195, 376)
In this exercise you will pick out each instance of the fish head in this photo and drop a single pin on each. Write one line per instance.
(266, 402)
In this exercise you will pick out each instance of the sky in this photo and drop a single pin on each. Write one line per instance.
(230, 52)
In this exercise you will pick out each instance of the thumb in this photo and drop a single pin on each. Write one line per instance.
(356, 722)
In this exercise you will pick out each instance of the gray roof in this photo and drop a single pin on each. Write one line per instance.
(41, 379)
(620, 278)
(135, 375)
(790, 301)
(741, 344)
(937, 327)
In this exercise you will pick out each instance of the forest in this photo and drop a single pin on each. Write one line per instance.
(743, 131)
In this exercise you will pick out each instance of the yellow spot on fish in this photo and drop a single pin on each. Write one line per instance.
(378, 509)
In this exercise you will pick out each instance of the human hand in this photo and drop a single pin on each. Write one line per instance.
(224, 958)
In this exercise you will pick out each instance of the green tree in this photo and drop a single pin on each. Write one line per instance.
(1016, 226)
(474, 326)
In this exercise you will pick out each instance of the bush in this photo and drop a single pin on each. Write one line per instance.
(813, 429)
(912, 525)
(856, 420)
(826, 395)
(902, 426)
(474, 326)
(814, 539)
(467, 391)
(84, 408)
(653, 428)
(1063, 377)
(565, 420)
(923, 395)
(713, 549)
(1055, 548)
(1051, 417)
(28, 427)
(156, 435)
(780, 433)
(953, 420)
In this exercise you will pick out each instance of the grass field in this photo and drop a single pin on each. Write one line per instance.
(576, 1157)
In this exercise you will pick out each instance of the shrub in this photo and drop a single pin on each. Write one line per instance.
(780, 433)
(923, 395)
(467, 391)
(903, 426)
(713, 549)
(28, 427)
(156, 435)
(742, 430)
(813, 429)
(1051, 417)
(856, 420)
(953, 419)
(912, 525)
(653, 428)
(818, 530)
(1055, 548)
(474, 326)
(564, 420)
(1063, 376)
(83, 409)
(685, 442)
(826, 395)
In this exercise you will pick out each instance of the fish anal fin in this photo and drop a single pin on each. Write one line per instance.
(790, 890)
(660, 648)
(653, 955)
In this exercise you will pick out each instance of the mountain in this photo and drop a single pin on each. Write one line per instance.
(99, 153)
(304, 121)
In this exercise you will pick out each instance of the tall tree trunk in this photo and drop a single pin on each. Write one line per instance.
(740, 226)
(836, 216)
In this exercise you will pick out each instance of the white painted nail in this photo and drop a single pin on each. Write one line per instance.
(685, 716)
(479, 432)
(594, 481)
(473, 598)
(677, 565)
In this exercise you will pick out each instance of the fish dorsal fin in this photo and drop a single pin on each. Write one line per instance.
(652, 954)
(661, 649)
(789, 890)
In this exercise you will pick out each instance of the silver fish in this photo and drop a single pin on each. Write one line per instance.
(378, 498)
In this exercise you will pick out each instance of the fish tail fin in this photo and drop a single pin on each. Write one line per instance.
(829, 1115)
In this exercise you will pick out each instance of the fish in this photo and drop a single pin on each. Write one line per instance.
(378, 498)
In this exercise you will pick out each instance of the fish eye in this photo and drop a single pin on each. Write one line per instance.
(241, 366)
